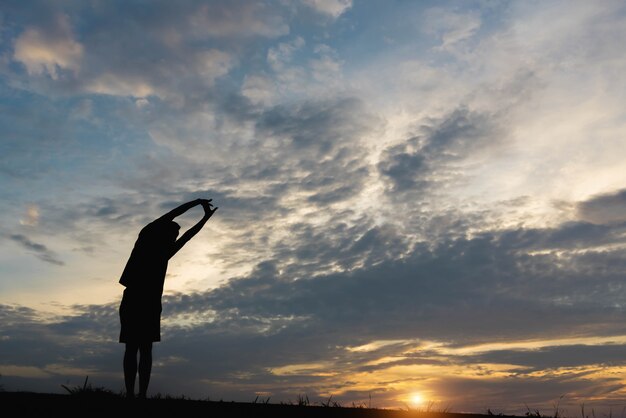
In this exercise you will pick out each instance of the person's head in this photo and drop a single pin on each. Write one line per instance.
(171, 230)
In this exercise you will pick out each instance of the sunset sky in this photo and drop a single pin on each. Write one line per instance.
(415, 197)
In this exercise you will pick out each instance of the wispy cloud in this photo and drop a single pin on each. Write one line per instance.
(39, 250)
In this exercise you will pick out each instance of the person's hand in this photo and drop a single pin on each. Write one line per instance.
(208, 207)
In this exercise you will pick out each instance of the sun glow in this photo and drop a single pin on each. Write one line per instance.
(416, 398)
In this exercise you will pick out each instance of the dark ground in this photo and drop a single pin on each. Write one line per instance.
(26, 404)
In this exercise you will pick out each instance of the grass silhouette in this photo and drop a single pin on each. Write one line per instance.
(87, 399)
(87, 390)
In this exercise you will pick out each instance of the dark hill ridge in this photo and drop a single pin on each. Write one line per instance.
(43, 404)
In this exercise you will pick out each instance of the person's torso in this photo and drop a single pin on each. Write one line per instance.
(147, 265)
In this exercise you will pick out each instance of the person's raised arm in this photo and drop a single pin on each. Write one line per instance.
(191, 232)
(169, 216)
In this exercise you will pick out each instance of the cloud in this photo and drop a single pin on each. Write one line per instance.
(236, 19)
(12, 315)
(49, 51)
(282, 54)
(160, 55)
(326, 69)
(555, 357)
(91, 329)
(200, 68)
(406, 291)
(213, 63)
(421, 314)
(333, 8)
(259, 89)
(452, 27)
(282, 169)
(411, 299)
(608, 208)
(39, 250)
(121, 86)
(306, 71)
(432, 156)
(302, 147)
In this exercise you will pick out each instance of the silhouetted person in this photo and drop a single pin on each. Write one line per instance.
(143, 277)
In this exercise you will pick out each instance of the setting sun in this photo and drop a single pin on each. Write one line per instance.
(416, 398)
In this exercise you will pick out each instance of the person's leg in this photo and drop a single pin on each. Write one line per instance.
(130, 368)
(145, 368)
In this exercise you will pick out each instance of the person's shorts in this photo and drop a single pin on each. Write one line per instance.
(140, 317)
